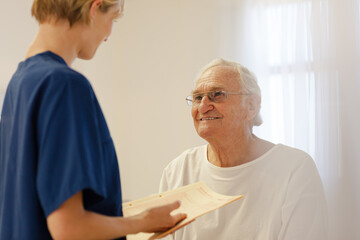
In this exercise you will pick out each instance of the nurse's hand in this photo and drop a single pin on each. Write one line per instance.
(159, 219)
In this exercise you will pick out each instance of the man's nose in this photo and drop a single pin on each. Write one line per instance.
(205, 105)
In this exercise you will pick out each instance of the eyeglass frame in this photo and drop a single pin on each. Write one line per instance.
(190, 101)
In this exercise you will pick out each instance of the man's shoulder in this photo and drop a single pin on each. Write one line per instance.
(187, 157)
(194, 151)
(184, 169)
(292, 157)
(292, 151)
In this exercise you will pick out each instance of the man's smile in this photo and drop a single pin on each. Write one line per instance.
(209, 118)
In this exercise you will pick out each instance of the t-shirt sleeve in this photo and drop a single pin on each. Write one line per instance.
(304, 212)
(163, 188)
(163, 183)
(69, 142)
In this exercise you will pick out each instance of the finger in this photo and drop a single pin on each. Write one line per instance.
(173, 206)
(178, 217)
(173, 230)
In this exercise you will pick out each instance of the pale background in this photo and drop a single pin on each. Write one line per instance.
(306, 54)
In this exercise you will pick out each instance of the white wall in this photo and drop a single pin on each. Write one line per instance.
(2, 95)
(17, 30)
(141, 77)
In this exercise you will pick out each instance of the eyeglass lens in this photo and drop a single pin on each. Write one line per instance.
(215, 96)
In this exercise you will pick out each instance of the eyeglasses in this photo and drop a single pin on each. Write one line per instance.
(214, 96)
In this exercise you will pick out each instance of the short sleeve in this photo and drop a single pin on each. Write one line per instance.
(69, 142)
(304, 212)
(163, 183)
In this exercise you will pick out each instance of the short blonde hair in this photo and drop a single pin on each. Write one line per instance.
(247, 80)
(72, 10)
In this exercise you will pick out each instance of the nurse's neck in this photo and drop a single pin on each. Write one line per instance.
(57, 37)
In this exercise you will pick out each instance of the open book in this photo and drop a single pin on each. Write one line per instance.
(196, 200)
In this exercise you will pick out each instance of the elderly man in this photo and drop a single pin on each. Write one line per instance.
(283, 193)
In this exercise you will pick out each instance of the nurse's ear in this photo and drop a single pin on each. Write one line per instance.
(94, 6)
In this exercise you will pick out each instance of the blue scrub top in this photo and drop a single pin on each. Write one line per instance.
(54, 142)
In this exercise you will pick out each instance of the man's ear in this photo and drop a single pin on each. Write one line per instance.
(254, 102)
(94, 6)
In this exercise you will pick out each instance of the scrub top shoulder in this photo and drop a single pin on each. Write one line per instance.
(54, 142)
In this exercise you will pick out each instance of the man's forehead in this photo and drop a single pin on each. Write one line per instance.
(217, 78)
(207, 88)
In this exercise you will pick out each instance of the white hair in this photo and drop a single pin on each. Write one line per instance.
(247, 80)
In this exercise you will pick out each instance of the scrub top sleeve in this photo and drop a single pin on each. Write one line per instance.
(69, 143)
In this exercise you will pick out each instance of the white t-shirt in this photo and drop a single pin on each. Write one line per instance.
(283, 196)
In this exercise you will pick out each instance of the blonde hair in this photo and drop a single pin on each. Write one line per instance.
(72, 10)
(247, 80)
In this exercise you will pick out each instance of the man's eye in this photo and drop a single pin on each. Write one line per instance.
(198, 98)
(219, 94)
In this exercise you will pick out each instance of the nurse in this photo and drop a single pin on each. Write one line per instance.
(59, 175)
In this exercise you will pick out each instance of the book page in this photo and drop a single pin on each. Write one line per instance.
(196, 200)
